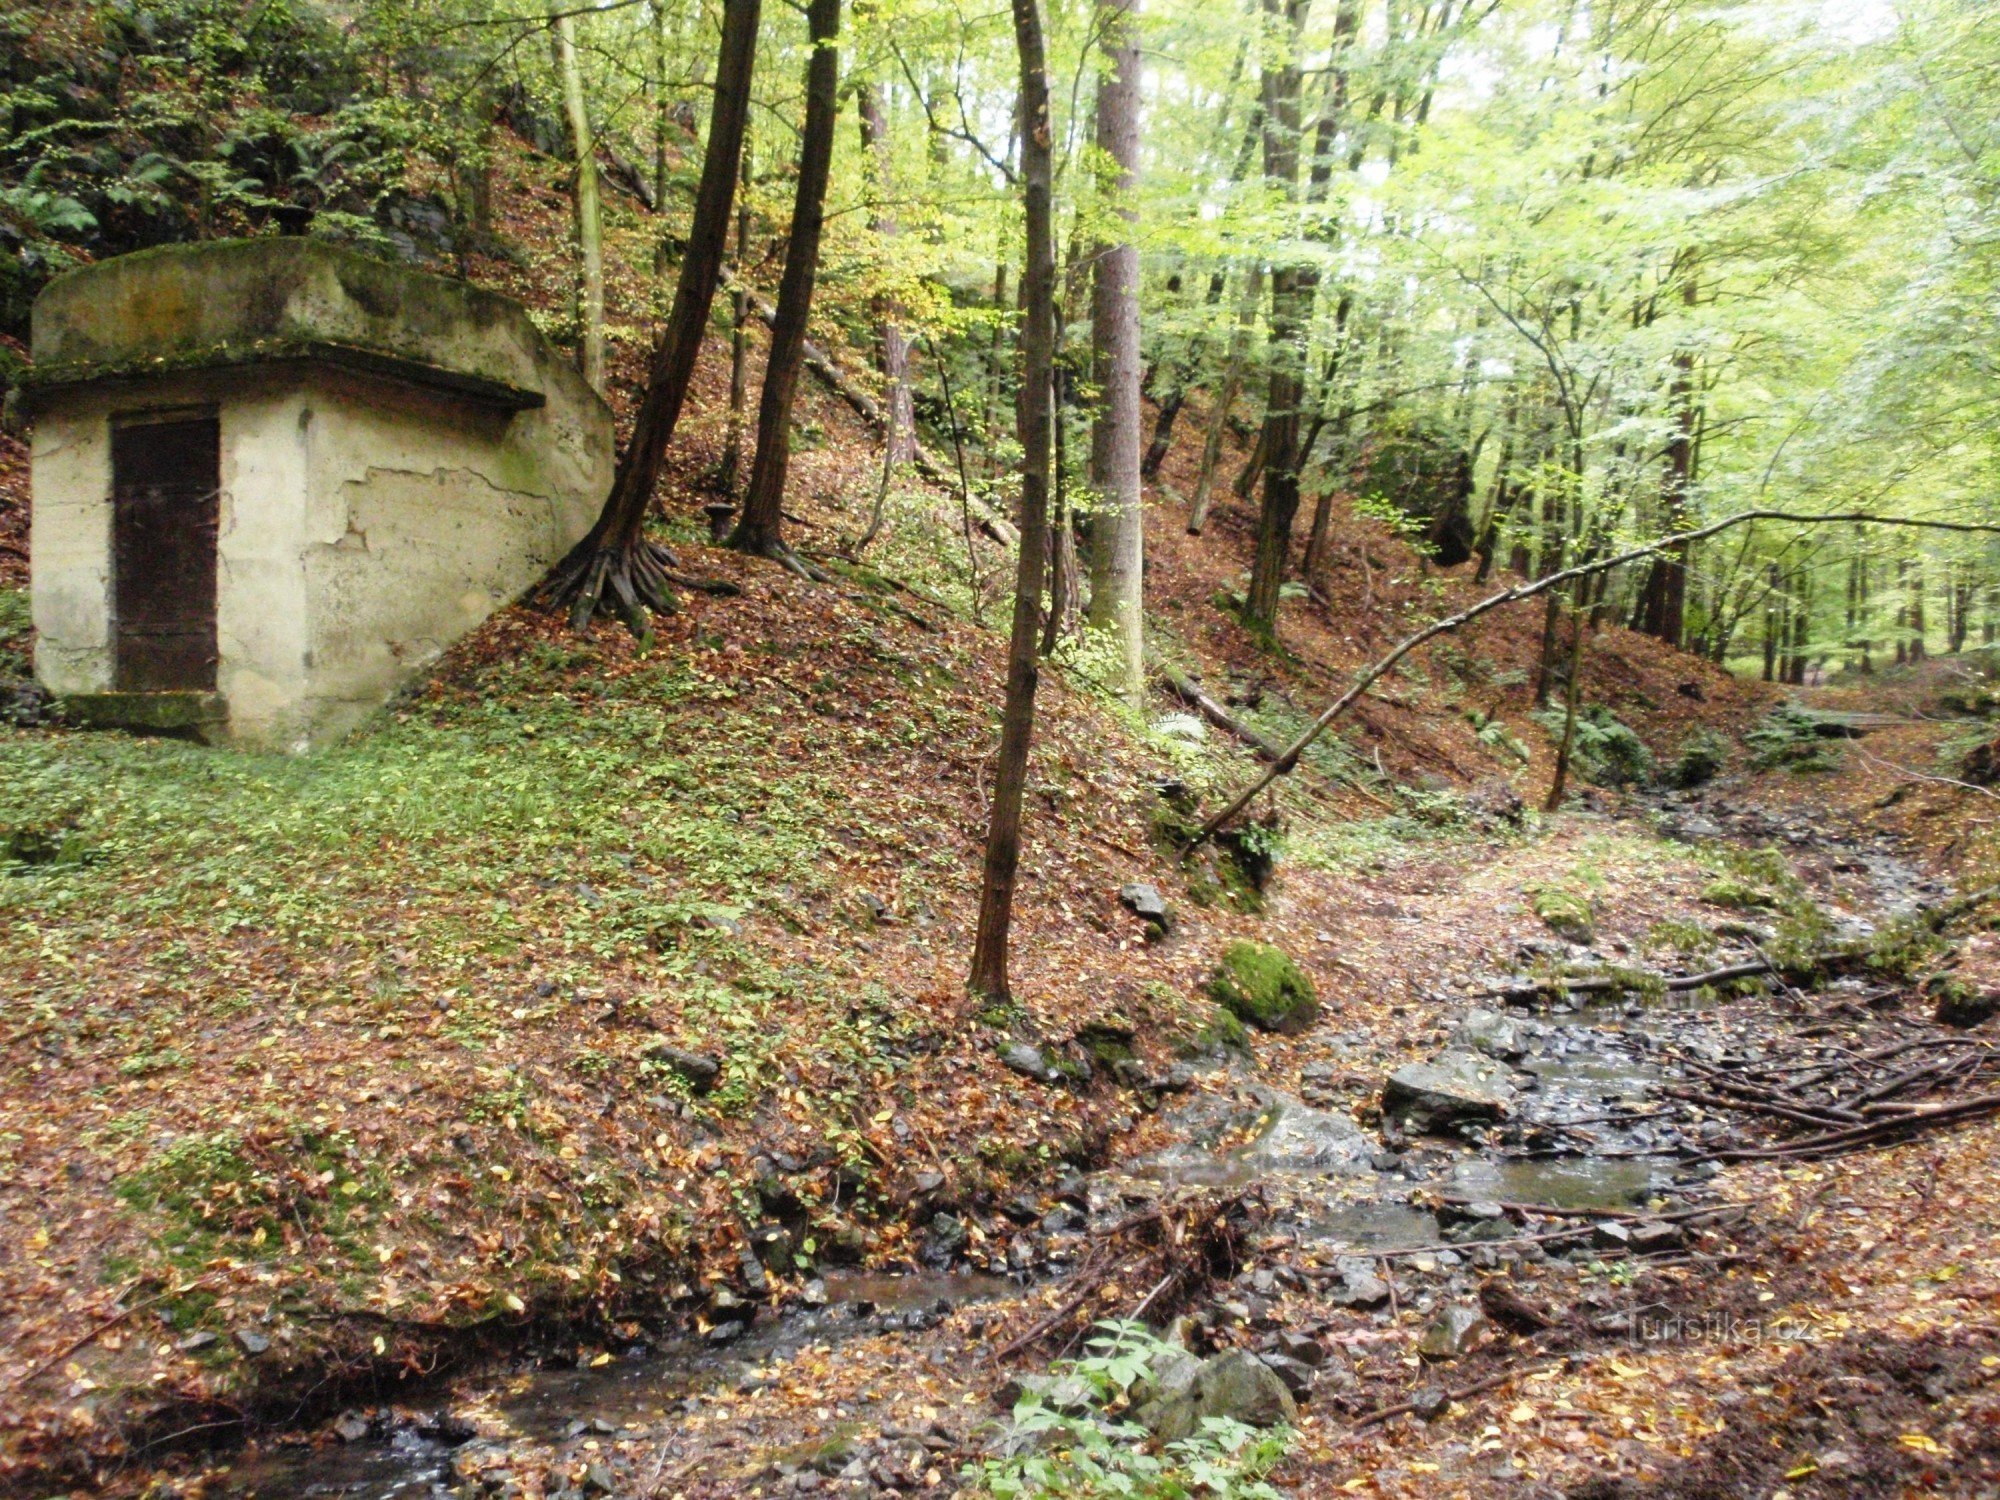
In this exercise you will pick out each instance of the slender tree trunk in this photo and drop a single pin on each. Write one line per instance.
(1232, 384)
(761, 528)
(988, 976)
(899, 427)
(663, 110)
(731, 475)
(1572, 694)
(1291, 305)
(1118, 532)
(612, 567)
(589, 218)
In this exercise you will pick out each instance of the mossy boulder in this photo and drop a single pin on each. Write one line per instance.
(1221, 1032)
(1261, 985)
(1565, 913)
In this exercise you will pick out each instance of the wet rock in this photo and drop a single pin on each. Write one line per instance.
(1478, 1211)
(1301, 1347)
(1459, 1330)
(351, 1427)
(1302, 1139)
(1146, 903)
(698, 1069)
(1235, 1385)
(1453, 1088)
(1490, 1032)
(1359, 1285)
(1030, 1061)
(944, 1240)
(1296, 1374)
(1656, 1238)
(1261, 985)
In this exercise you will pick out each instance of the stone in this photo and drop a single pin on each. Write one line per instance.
(1430, 1403)
(944, 1240)
(1961, 1007)
(1301, 1347)
(1184, 727)
(1453, 1088)
(194, 1343)
(252, 1342)
(1302, 1139)
(700, 1071)
(1145, 902)
(1236, 1385)
(1029, 1061)
(1261, 985)
(1359, 1284)
(1655, 1237)
(1489, 1032)
(351, 1426)
(1610, 1234)
(1457, 1331)
(597, 1479)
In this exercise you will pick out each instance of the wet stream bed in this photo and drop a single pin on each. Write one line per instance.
(1419, 1200)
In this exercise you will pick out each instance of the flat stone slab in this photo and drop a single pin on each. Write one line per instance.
(1451, 1088)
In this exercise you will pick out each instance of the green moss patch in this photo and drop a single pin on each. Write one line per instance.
(1261, 985)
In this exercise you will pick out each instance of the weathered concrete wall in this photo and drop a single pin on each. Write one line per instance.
(367, 519)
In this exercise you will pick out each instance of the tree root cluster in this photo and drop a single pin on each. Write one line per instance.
(624, 582)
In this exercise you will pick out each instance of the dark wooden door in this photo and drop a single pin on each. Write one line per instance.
(165, 482)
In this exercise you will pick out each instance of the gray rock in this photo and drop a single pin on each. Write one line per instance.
(1296, 1374)
(699, 1069)
(1430, 1403)
(1359, 1285)
(1235, 1385)
(1181, 727)
(350, 1426)
(1301, 1347)
(1490, 1032)
(1302, 1139)
(1610, 1234)
(944, 1238)
(1460, 1329)
(1145, 902)
(252, 1342)
(597, 1478)
(196, 1342)
(1029, 1061)
(1655, 1237)
(1453, 1088)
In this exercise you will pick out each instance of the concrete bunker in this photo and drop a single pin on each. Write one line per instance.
(273, 479)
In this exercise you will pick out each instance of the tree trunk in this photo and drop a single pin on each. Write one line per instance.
(899, 434)
(988, 976)
(1232, 383)
(1291, 305)
(1118, 533)
(613, 567)
(761, 528)
(731, 476)
(589, 218)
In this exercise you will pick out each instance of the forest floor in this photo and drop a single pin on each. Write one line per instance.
(593, 996)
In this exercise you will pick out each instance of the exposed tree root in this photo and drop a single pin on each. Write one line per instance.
(621, 582)
(785, 558)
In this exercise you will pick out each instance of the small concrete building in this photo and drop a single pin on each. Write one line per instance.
(274, 479)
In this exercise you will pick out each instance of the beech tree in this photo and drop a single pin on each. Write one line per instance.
(1034, 418)
(615, 568)
(761, 528)
(1118, 532)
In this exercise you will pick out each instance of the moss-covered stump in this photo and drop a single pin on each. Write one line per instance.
(1264, 987)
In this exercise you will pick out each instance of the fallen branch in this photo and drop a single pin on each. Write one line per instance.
(1288, 759)
(1875, 1133)
(1189, 692)
(1463, 1393)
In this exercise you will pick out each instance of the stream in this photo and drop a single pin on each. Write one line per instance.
(1584, 1129)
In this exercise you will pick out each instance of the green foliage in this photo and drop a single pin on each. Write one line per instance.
(1566, 911)
(1607, 750)
(1262, 985)
(1097, 1453)
(1699, 761)
(1790, 738)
